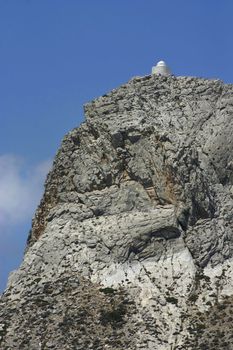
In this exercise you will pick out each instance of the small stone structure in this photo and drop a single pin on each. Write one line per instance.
(161, 69)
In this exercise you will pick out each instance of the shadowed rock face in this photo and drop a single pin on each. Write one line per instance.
(132, 244)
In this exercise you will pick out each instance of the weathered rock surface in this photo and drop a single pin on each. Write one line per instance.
(132, 244)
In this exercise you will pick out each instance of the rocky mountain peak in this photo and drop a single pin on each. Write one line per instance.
(131, 246)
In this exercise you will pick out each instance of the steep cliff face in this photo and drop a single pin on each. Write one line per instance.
(132, 244)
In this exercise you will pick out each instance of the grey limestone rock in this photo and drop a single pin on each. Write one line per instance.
(131, 246)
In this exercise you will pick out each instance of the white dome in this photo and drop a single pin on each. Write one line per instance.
(161, 63)
(161, 69)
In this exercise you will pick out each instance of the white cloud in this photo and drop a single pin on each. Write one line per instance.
(21, 187)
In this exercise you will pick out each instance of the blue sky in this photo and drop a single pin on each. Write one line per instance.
(55, 55)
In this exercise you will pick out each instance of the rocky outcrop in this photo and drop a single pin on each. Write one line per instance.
(132, 244)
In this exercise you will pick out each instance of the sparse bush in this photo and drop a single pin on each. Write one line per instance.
(193, 298)
(172, 300)
(115, 316)
(107, 290)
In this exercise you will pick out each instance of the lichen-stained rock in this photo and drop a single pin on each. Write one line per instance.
(131, 246)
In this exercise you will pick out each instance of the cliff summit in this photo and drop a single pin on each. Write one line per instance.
(131, 246)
